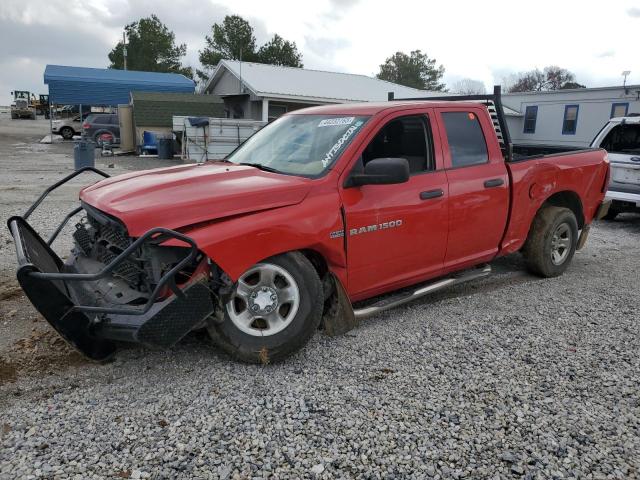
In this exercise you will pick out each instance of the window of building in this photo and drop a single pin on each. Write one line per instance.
(466, 140)
(405, 137)
(570, 122)
(276, 111)
(619, 110)
(623, 139)
(530, 117)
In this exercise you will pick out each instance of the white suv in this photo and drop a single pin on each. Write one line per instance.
(67, 127)
(621, 139)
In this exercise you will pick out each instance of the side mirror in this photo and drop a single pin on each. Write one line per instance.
(381, 171)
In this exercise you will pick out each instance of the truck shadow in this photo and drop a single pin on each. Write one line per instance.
(509, 270)
(629, 222)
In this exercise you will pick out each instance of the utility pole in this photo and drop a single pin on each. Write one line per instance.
(240, 87)
(625, 74)
(124, 49)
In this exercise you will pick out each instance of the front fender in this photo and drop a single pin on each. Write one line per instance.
(237, 243)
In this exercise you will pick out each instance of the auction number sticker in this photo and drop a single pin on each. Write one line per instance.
(334, 122)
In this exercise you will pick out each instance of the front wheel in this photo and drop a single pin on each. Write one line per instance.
(552, 241)
(273, 310)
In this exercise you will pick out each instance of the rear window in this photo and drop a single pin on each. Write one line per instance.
(623, 139)
(466, 140)
(103, 119)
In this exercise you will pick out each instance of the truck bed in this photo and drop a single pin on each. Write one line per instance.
(523, 151)
(574, 174)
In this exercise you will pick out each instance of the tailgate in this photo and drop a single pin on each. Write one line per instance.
(625, 169)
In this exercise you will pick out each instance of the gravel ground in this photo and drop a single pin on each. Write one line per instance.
(507, 377)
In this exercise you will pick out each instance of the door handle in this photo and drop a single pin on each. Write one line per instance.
(431, 194)
(494, 182)
(635, 159)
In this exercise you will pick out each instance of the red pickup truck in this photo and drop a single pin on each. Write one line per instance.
(305, 223)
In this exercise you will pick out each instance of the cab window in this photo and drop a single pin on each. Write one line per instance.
(467, 144)
(405, 137)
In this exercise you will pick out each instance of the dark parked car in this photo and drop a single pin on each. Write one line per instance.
(102, 128)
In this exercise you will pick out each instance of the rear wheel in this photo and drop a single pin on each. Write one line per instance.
(273, 310)
(102, 137)
(552, 241)
(67, 133)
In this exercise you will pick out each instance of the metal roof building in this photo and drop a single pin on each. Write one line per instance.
(105, 86)
(263, 92)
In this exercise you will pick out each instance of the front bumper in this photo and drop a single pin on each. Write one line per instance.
(68, 302)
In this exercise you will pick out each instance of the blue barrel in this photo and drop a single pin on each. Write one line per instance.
(165, 148)
(84, 154)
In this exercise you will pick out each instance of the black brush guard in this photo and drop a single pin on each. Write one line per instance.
(92, 328)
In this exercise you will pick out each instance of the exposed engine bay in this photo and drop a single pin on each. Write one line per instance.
(99, 239)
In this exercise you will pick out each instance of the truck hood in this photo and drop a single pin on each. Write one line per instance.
(179, 196)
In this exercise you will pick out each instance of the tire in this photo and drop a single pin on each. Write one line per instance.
(552, 241)
(287, 327)
(67, 133)
(612, 213)
(14, 116)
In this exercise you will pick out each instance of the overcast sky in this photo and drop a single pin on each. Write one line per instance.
(479, 40)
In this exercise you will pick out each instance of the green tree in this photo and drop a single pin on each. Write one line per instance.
(233, 39)
(151, 47)
(279, 51)
(416, 70)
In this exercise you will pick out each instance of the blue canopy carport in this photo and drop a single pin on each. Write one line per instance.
(107, 87)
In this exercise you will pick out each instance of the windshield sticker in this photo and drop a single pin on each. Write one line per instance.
(338, 145)
(334, 122)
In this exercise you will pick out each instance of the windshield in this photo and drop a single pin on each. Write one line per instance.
(306, 145)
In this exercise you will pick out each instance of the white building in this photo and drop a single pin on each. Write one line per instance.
(262, 92)
(567, 117)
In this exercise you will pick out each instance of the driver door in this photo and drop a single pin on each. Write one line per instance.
(396, 235)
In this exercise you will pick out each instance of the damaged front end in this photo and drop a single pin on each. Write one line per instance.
(113, 287)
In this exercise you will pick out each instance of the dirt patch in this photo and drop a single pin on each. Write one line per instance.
(43, 352)
(9, 291)
(7, 372)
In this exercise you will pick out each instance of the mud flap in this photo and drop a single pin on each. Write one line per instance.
(603, 209)
(339, 317)
(584, 234)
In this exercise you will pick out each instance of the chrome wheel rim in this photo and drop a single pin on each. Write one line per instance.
(264, 301)
(561, 243)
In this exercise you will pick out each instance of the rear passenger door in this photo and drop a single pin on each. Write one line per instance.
(478, 186)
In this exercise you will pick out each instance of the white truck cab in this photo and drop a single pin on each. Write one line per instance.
(621, 139)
